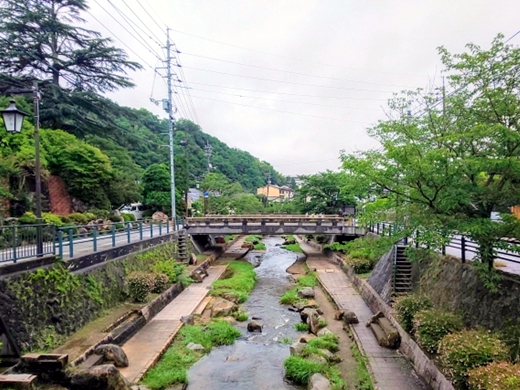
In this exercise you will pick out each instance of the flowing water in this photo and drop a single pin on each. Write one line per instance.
(255, 361)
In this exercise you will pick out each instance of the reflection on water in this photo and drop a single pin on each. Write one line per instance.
(255, 361)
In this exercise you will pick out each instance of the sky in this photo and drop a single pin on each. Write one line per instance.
(333, 64)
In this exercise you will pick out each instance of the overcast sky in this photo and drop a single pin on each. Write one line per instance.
(353, 54)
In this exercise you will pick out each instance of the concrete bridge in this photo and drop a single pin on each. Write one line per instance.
(272, 225)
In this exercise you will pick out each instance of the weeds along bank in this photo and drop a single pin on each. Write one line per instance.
(194, 341)
(42, 307)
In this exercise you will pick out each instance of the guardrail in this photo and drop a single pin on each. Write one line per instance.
(18, 242)
(462, 247)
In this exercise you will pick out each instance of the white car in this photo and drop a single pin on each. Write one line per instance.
(136, 209)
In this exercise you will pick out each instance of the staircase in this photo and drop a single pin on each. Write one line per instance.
(402, 278)
(182, 244)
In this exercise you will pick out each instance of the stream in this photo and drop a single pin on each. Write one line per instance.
(255, 361)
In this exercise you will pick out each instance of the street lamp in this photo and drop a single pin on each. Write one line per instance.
(13, 120)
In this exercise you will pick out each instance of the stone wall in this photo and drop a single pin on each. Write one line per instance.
(4, 202)
(381, 277)
(60, 202)
(42, 307)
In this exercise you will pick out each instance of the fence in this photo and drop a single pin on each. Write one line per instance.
(460, 246)
(19, 242)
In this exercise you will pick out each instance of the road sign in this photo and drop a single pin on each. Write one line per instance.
(206, 194)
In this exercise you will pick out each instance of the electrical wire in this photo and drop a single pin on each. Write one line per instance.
(288, 71)
(514, 35)
(144, 24)
(162, 21)
(287, 82)
(286, 112)
(187, 89)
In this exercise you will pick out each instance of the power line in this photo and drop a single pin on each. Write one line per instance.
(288, 71)
(187, 90)
(143, 23)
(514, 35)
(286, 101)
(287, 93)
(162, 21)
(290, 58)
(286, 112)
(287, 82)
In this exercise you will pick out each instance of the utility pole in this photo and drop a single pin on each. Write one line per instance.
(171, 124)
(207, 150)
(443, 99)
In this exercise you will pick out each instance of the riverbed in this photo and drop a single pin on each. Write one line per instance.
(255, 361)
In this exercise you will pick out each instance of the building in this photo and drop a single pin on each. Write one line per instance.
(276, 193)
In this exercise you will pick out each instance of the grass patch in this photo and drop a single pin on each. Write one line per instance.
(172, 368)
(293, 248)
(300, 370)
(229, 237)
(301, 327)
(366, 275)
(364, 380)
(291, 296)
(286, 340)
(327, 341)
(253, 237)
(260, 247)
(240, 281)
(240, 316)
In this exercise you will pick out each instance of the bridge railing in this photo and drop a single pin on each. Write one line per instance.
(18, 242)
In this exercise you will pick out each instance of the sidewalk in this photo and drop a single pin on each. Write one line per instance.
(390, 369)
(147, 345)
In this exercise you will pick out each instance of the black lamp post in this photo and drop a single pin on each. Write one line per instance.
(13, 120)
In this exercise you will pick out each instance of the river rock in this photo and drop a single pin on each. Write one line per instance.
(306, 292)
(247, 245)
(223, 307)
(314, 322)
(230, 296)
(297, 348)
(82, 231)
(324, 331)
(315, 358)
(305, 339)
(195, 347)
(318, 382)
(188, 320)
(193, 259)
(113, 353)
(302, 305)
(103, 377)
(198, 275)
(306, 313)
(159, 216)
(330, 356)
(254, 326)
(339, 314)
(350, 318)
(256, 318)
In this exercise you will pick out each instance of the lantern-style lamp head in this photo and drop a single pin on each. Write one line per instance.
(13, 118)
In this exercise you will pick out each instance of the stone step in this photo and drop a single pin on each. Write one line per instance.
(18, 381)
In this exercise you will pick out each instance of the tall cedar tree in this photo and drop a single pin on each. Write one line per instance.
(41, 40)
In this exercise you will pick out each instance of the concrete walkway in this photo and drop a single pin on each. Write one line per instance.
(146, 347)
(390, 369)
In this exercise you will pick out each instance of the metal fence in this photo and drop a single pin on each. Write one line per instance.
(460, 246)
(18, 242)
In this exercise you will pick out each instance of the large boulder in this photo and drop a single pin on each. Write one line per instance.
(307, 292)
(297, 348)
(195, 347)
(350, 318)
(319, 382)
(193, 259)
(112, 353)
(223, 308)
(103, 377)
(323, 332)
(306, 313)
(315, 322)
(159, 216)
(306, 338)
(254, 326)
(188, 320)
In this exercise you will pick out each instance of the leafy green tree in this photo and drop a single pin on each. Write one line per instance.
(447, 170)
(324, 193)
(156, 188)
(42, 40)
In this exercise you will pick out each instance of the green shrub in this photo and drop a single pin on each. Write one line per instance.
(100, 214)
(115, 218)
(90, 216)
(52, 218)
(128, 217)
(431, 326)
(160, 282)
(240, 316)
(139, 285)
(78, 218)
(300, 370)
(462, 351)
(510, 336)
(495, 376)
(406, 307)
(28, 218)
(359, 264)
(119, 226)
(169, 268)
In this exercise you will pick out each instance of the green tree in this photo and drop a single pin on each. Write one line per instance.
(446, 170)
(42, 40)
(156, 188)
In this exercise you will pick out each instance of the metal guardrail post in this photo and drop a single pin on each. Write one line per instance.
(60, 243)
(443, 250)
(128, 224)
(113, 235)
(151, 229)
(71, 243)
(94, 238)
(160, 228)
(405, 240)
(140, 230)
(168, 226)
(463, 249)
(54, 227)
(14, 244)
(417, 239)
(377, 229)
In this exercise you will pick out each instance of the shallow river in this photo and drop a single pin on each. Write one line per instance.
(255, 361)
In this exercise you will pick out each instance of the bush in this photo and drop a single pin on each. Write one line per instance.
(128, 217)
(431, 326)
(406, 307)
(300, 370)
(510, 336)
(460, 352)
(168, 267)
(100, 214)
(140, 284)
(90, 216)
(359, 264)
(52, 218)
(78, 218)
(28, 218)
(495, 376)
(370, 249)
(160, 282)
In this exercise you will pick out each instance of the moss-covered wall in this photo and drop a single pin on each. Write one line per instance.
(42, 307)
(454, 286)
